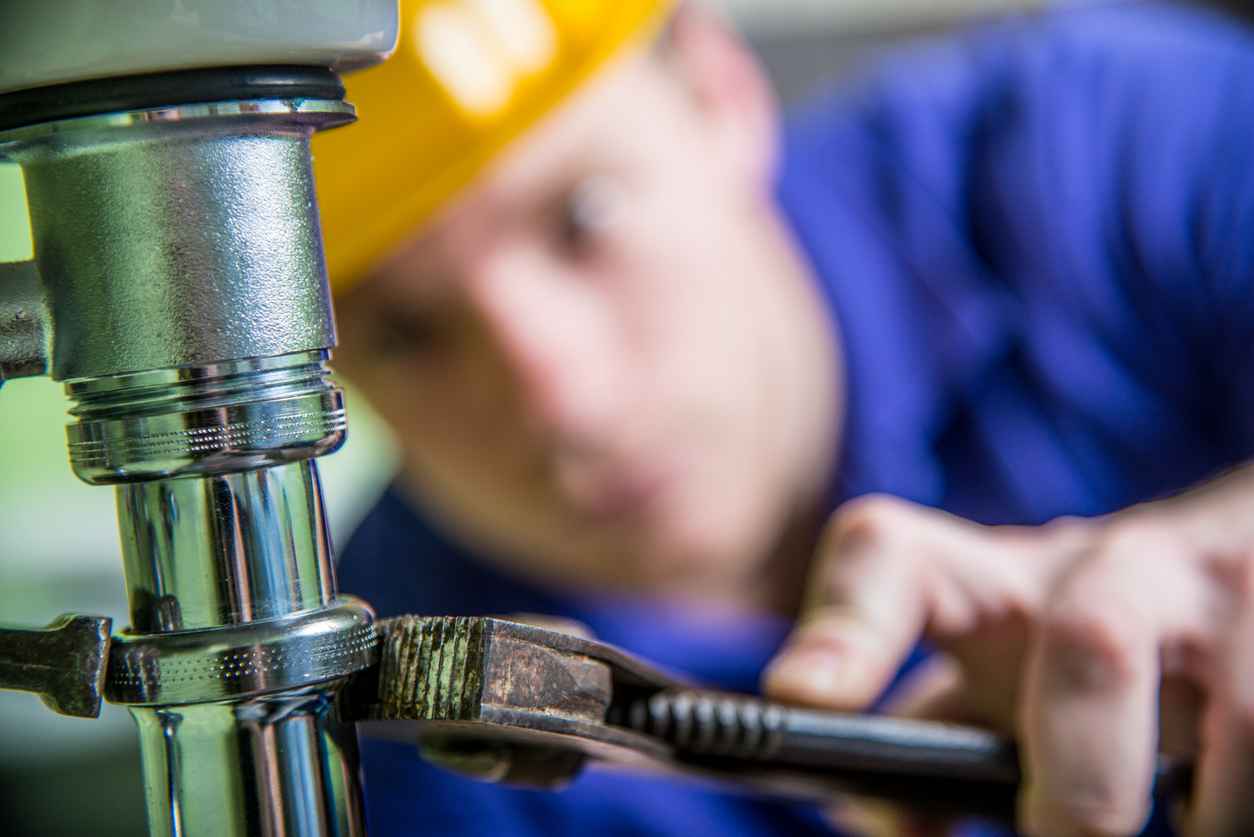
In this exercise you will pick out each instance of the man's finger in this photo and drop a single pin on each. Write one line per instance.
(1090, 714)
(938, 690)
(887, 571)
(1223, 803)
(865, 612)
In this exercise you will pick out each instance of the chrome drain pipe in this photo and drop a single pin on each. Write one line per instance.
(181, 296)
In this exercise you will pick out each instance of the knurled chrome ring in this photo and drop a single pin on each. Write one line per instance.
(208, 441)
(242, 660)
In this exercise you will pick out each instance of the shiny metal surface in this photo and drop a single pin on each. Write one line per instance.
(205, 420)
(314, 113)
(179, 255)
(237, 649)
(261, 657)
(180, 236)
(24, 322)
(179, 261)
(67, 40)
(225, 550)
(278, 766)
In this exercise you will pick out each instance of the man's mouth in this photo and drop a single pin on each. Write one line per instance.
(614, 493)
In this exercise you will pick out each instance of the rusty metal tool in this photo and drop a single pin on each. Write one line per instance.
(516, 703)
(64, 663)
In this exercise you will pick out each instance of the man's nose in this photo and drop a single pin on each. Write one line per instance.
(557, 336)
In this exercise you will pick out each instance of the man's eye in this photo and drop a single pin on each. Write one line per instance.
(405, 335)
(587, 214)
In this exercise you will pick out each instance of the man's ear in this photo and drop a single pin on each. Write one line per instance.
(729, 87)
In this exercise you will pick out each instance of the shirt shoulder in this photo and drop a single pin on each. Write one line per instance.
(1005, 222)
(1065, 55)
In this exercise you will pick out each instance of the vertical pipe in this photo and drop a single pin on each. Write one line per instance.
(205, 553)
(179, 255)
(225, 550)
(259, 768)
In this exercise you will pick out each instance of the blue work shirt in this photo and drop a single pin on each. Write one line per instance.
(1037, 239)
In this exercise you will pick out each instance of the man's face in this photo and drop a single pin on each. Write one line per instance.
(580, 358)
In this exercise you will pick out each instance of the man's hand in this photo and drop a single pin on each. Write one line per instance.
(1098, 643)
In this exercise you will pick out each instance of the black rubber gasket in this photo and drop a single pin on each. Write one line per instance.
(154, 90)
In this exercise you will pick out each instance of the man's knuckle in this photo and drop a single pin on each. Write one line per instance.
(1066, 530)
(1137, 540)
(867, 519)
(1236, 719)
(1102, 809)
(1094, 642)
(1233, 576)
(1079, 802)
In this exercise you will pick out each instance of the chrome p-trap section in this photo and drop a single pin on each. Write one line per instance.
(179, 291)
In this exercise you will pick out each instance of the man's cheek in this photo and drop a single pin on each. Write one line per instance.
(439, 443)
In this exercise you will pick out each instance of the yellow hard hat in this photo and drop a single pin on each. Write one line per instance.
(467, 78)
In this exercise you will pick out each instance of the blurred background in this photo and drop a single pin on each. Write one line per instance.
(58, 544)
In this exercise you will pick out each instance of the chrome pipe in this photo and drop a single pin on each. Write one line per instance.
(225, 550)
(182, 298)
(180, 236)
(178, 289)
(274, 766)
(237, 648)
